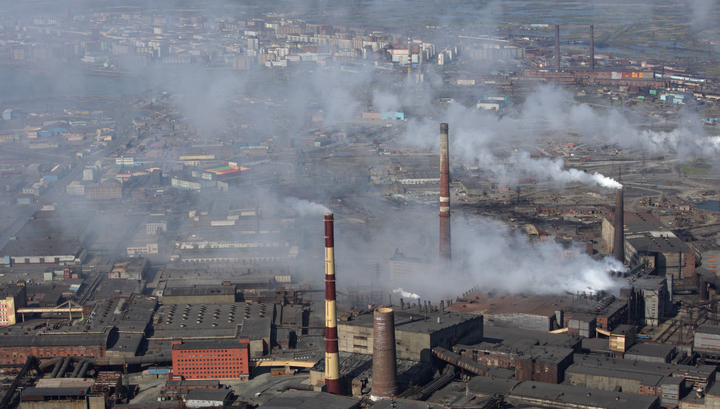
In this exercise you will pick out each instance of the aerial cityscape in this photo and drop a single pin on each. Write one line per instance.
(360, 204)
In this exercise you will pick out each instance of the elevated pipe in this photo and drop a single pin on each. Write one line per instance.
(48, 363)
(78, 367)
(57, 367)
(64, 368)
(84, 369)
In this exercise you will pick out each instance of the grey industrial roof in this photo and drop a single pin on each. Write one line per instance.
(199, 290)
(193, 383)
(30, 393)
(708, 329)
(652, 350)
(484, 386)
(643, 367)
(410, 320)
(180, 320)
(205, 394)
(662, 244)
(41, 247)
(575, 395)
(11, 290)
(610, 372)
(211, 344)
(405, 404)
(311, 400)
(56, 339)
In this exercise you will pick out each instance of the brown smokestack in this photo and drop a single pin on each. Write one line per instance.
(557, 48)
(445, 250)
(384, 372)
(592, 47)
(619, 226)
(332, 359)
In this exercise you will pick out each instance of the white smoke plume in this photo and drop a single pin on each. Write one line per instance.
(304, 207)
(554, 169)
(550, 109)
(405, 294)
(498, 260)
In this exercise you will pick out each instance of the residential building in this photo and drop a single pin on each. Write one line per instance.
(12, 297)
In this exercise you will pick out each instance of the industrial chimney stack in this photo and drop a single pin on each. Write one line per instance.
(445, 250)
(557, 48)
(592, 47)
(332, 359)
(384, 372)
(619, 226)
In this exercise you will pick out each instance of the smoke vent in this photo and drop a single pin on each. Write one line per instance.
(619, 227)
(445, 249)
(557, 48)
(384, 372)
(332, 358)
(592, 47)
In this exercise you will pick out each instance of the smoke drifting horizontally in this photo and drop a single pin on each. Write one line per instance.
(405, 294)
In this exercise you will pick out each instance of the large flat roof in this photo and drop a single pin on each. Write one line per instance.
(575, 395)
(311, 400)
(199, 290)
(42, 247)
(410, 320)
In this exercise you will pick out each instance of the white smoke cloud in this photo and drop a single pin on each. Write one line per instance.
(498, 260)
(405, 294)
(304, 207)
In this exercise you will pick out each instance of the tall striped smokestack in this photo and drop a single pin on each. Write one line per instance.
(445, 249)
(592, 47)
(332, 360)
(619, 227)
(557, 48)
(384, 370)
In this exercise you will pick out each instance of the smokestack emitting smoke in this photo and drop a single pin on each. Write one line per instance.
(592, 47)
(445, 250)
(332, 359)
(557, 48)
(384, 372)
(619, 236)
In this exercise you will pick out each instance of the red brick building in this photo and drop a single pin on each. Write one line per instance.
(211, 359)
(14, 349)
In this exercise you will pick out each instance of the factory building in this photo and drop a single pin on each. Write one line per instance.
(156, 223)
(130, 268)
(648, 300)
(669, 381)
(12, 297)
(707, 339)
(566, 396)
(200, 294)
(211, 359)
(404, 269)
(531, 355)
(417, 332)
(647, 240)
(14, 349)
(111, 189)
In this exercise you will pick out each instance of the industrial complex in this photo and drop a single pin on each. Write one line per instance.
(301, 207)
